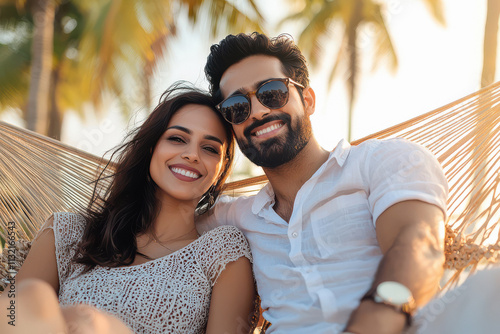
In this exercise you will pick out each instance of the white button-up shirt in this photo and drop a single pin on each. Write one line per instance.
(312, 271)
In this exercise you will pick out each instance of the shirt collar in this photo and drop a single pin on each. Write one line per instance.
(265, 196)
(340, 152)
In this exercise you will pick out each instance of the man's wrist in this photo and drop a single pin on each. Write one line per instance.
(393, 295)
(371, 317)
(384, 308)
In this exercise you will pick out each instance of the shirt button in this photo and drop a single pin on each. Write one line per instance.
(295, 234)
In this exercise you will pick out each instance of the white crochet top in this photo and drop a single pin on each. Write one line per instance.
(168, 295)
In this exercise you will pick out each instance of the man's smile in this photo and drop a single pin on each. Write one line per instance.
(268, 129)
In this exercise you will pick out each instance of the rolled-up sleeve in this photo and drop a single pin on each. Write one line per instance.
(399, 170)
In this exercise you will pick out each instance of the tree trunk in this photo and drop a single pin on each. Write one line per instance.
(41, 66)
(352, 36)
(55, 115)
(490, 43)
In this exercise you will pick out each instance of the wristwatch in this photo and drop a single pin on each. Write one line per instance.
(395, 295)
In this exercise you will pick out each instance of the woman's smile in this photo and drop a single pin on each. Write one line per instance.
(185, 173)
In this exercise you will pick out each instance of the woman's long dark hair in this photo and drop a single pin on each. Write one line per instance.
(127, 207)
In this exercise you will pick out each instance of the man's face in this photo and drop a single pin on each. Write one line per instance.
(269, 138)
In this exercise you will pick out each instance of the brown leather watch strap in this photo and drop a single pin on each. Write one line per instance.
(407, 309)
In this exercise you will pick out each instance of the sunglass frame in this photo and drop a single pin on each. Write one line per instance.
(247, 96)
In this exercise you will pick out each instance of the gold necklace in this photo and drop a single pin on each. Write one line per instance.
(172, 240)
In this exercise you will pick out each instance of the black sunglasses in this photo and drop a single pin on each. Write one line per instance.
(273, 94)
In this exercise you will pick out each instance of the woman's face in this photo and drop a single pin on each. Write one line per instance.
(188, 158)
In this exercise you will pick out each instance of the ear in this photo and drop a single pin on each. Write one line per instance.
(309, 100)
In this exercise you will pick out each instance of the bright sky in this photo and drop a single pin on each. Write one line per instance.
(437, 65)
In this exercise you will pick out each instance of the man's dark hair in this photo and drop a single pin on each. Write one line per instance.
(235, 48)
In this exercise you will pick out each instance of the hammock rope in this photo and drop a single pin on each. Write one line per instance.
(39, 175)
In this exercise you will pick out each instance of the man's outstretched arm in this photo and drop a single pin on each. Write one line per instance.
(411, 237)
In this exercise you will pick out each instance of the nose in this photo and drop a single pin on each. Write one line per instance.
(258, 110)
(190, 154)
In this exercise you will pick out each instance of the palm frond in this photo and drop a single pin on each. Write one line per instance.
(384, 47)
(20, 5)
(256, 10)
(9, 12)
(122, 37)
(304, 10)
(14, 73)
(224, 17)
(310, 37)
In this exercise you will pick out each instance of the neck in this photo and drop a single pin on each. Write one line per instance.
(173, 220)
(287, 179)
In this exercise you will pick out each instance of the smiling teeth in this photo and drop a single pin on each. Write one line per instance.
(269, 129)
(185, 173)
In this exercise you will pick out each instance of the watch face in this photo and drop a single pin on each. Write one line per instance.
(394, 293)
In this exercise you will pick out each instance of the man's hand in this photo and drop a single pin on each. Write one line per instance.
(373, 318)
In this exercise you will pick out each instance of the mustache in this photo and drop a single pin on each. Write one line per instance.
(285, 118)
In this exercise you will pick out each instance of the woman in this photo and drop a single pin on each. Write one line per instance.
(135, 254)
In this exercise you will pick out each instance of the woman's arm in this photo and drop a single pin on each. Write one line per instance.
(233, 296)
(41, 260)
(40, 312)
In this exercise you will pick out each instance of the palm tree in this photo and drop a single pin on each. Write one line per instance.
(353, 15)
(101, 47)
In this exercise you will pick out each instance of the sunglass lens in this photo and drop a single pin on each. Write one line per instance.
(235, 109)
(273, 94)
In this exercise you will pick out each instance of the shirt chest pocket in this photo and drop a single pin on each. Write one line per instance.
(343, 224)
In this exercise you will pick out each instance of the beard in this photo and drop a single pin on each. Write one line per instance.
(279, 150)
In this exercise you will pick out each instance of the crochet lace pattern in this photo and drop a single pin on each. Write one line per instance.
(170, 294)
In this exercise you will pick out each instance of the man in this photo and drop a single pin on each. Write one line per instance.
(349, 240)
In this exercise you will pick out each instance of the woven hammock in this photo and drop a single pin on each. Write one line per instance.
(39, 176)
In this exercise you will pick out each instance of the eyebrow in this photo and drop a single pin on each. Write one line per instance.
(186, 130)
(241, 91)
